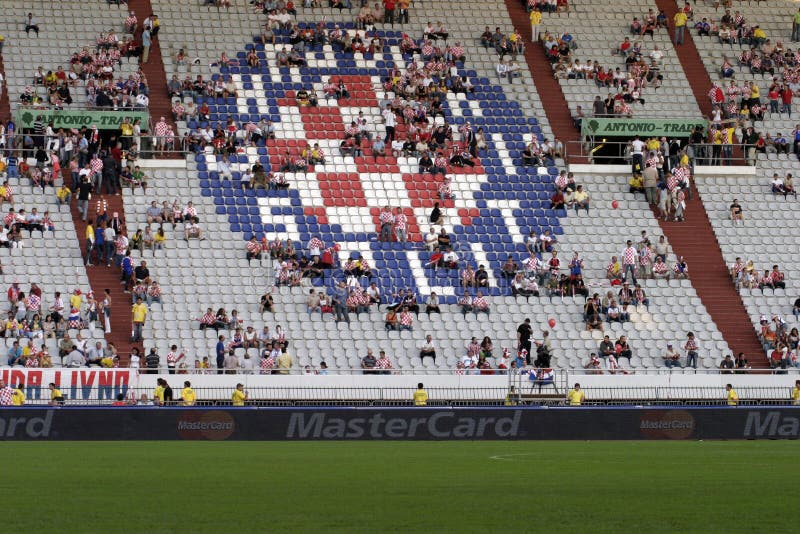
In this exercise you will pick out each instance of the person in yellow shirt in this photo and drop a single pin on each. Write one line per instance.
(420, 396)
(56, 398)
(576, 396)
(187, 394)
(755, 92)
(536, 21)
(139, 312)
(679, 19)
(160, 239)
(76, 300)
(733, 398)
(64, 196)
(18, 396)
(239, 395)
(512, 399)
(759, 36)
(284, 364)
(89, 241)
(796, 393)
(158, 394)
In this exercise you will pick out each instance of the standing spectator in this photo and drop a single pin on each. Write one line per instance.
(629, 256)
(387, 221)
(679, 20)
(146, 42)
(536, 20)
(400, 222)
(139, 312)
(692, 348)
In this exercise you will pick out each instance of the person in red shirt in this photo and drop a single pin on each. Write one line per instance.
(388, 11)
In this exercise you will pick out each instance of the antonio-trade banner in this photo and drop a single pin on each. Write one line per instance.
(75, 384)
(61, 118)
(622, 127)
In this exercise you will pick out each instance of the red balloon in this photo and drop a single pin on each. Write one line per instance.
(615, 204)
(552, 323)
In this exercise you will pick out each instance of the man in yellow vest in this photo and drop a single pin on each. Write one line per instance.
(576, 396)
(420, 396)
(187, 394)
(733, 398)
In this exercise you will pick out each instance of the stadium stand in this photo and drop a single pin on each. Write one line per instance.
(490, 204)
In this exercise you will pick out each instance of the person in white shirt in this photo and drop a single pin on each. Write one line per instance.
(502, 69)
(389, 121)
(224, 168)
(637, 152)
(142, 101)
(431, 240)
(192, 230)
(374, 294)
(450, 258)
(657, 54)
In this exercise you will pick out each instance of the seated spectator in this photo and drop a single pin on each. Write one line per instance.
(727, 365)
(581, 200)
(736, 213)
(428, 350)
(614, 269)
(672, 358)
(406, 320)
(192, 230)
(622, 349)
(480, 304)
(680, 269)
(465, 303)
(594, 322)
(390, 320)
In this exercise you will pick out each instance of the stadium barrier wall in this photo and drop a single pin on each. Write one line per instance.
(421, 423)
(97, 386)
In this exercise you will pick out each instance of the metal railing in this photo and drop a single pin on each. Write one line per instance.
(26, 146)
(283, 396)
(602, 152)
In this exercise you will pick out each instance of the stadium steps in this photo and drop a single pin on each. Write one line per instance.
(160, 104)
(102, 277)
(695, 240)
(693, 67)
(548, 88)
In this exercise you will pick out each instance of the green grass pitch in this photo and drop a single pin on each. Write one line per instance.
(401, 486)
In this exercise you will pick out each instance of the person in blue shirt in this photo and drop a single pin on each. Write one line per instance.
(15, 355)
(340, 294)
(220, 351)
(127, 271)
(780, 144)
